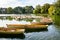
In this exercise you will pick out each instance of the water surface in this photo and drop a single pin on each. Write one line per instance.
(53, 32)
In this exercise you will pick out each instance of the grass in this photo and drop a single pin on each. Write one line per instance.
(56, 19)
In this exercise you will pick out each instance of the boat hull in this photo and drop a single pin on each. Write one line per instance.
(27, 26)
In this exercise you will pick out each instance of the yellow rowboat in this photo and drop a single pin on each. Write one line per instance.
(36, 26)
(21, 26)
(41, 23)
(11, 31)
(26, 26)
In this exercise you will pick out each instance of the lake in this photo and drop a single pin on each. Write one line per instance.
(52, 32)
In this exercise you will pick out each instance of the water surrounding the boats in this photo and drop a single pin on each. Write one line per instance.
(53, 32)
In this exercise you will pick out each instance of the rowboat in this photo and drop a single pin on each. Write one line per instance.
(41, 23)
(36, 26)
(21, 26)
(26, 26)
(11, 31)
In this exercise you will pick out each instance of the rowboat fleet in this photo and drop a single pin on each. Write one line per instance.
(20, 28)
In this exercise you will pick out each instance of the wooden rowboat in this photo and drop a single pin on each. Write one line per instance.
(26, 26)
(41, 23)
(36, 26)
(21, 26)
(11, 31)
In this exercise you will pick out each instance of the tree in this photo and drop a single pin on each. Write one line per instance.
(18, 10)
(29, 9)
(9, 10)
(3, 10)
(51, 10)
(37, 9)
(57, 4)
(57, 7)
(45, 8)
(57, 13)
(0, 11)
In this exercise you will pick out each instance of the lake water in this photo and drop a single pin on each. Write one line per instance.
(52, 32)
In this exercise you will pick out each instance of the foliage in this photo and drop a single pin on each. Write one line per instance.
(9, 18)
(45, 8)
(57, 20)
(57, 4)
(57, 13)
(9, 10)
(51, 10)
(37, 9)
(18, 10)
(28, 9)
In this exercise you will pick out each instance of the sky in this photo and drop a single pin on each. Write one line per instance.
(22, 3)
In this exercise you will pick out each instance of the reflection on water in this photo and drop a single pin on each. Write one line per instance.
(35, 30)
(4, 21)
(21, 36)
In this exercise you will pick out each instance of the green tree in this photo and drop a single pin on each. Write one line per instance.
(37, 9)
(29, 9)
(51, 10)
(3, 10)
(9, 10)
(45, 8)
(57, 4)
(0, 11)
(18, 10)
(57, 13)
